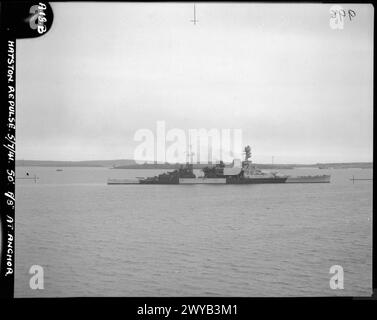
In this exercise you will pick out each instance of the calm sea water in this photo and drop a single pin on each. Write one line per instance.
(94, 239)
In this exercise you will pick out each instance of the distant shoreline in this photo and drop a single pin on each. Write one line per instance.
(130, 164)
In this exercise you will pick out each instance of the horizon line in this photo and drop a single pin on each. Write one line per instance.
(171, 163)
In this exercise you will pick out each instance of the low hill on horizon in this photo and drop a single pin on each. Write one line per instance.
(87, 163)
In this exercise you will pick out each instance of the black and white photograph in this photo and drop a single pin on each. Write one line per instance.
(181, 149)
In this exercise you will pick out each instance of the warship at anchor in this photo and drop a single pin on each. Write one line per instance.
(239, 173)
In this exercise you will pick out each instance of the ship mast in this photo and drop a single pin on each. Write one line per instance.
(247, 153)
(189, 153)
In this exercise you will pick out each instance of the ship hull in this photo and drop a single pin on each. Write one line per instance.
(231, 181)
(257, 180)
(202, 181)
(225, 180)
(192, 181)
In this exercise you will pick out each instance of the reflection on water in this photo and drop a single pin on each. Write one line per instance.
(95, 239)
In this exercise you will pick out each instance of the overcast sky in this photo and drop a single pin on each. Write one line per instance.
(299, 90)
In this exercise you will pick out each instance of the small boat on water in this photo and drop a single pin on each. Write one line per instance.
(59, 169)
(239, 173)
